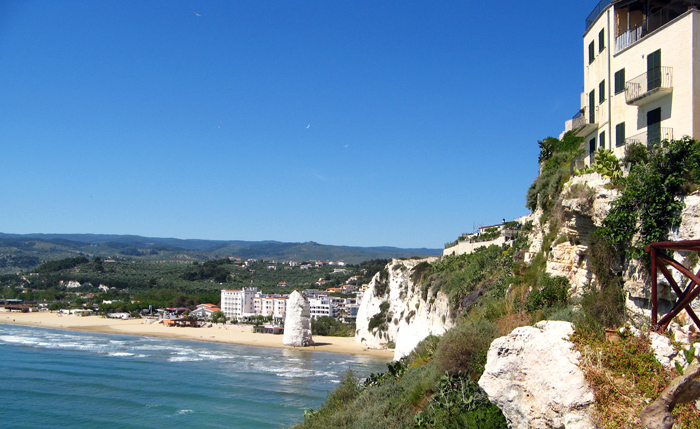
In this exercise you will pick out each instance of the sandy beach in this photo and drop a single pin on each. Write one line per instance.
(231, 334)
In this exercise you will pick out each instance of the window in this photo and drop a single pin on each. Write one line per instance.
(601, 40)
(619, 81)
(620, 134)
(601, 92)
(591, 52)
(591, 107)
(601, 140)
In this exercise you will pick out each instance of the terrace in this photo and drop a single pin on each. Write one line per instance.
(653, 135)
(636, 19)
(649, 86)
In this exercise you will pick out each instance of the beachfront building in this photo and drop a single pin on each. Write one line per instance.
(321, 306)
(238, 304)
(271, 305)
(205, 311)
(641, 73)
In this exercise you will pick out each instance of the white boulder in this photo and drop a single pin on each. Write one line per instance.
(532, 375)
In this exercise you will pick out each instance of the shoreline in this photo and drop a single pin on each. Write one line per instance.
(230, 334)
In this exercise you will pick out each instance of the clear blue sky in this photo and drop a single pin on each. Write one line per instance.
(398, 123)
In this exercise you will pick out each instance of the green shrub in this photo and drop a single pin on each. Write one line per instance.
(550, 292)
(464, 347)
(460, 402)
(381, 286)
(380, 319)
(650, 204)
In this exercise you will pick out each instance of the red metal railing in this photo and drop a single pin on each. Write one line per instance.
(660, 261)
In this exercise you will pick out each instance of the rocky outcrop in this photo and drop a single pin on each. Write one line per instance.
(394, 309)
(585, 203)
(532, 375)
(297, 324)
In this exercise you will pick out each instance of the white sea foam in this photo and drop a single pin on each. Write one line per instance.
(183, 359)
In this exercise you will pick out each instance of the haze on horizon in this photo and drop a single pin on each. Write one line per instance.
(344, 123)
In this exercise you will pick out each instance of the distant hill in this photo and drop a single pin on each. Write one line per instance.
(25, 251)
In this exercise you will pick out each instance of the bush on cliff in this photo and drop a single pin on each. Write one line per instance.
(650, 203)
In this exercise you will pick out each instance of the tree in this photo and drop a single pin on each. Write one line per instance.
(218, 317)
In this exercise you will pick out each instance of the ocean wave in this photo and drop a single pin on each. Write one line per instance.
(184, 359)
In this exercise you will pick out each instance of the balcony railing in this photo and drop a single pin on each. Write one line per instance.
(653, 135)
(596, 12)
(652, 23)
(581, 123)
(656, 81)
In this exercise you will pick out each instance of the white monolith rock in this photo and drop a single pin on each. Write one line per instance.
(297, 325)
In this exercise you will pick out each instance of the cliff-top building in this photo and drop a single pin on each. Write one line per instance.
(641, 80)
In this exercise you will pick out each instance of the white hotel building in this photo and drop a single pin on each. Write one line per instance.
(237, 304)
(248, 302)
(641, 74)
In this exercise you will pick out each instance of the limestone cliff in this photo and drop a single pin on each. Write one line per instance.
(584, 205)
(394, 310)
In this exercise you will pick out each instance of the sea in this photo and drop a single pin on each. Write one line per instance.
(58, 378)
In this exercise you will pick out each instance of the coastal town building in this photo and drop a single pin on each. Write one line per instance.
(237, 304)
(249, 302)
(641, 75)
(204, 311)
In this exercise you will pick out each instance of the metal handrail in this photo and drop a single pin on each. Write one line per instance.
(596, 12)
(651, 136)
(658, 77)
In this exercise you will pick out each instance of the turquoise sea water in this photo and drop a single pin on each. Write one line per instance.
(57, 378)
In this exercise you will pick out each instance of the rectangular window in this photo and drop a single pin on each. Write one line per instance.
(619, 81)
(601, 140)
(601, 92)
(620, 134)
(591, 107)
(601, 40)
(591, 52)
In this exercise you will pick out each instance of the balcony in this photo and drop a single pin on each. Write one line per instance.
(583, 124)
(649, 86)
(650, 22)
(653, 135)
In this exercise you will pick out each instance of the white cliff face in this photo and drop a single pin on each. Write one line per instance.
(532, 375)
(585, 204)
(393, 305)
(297, 324)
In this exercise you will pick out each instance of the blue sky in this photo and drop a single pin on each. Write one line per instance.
(364, 123)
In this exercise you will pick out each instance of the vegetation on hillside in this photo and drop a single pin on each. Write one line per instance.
(133, 284)
(492, 291)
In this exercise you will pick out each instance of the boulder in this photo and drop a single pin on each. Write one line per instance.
(532, 375)
(297, 324)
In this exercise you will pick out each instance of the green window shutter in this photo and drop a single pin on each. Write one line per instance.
(619, 81)
(601, 140)
(591, 52)
(620, 134)
(591, 107)
(601, 92)
(601, 40)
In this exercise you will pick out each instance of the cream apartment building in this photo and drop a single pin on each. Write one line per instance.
(641, 74)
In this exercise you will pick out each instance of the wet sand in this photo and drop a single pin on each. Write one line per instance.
(230, 334)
